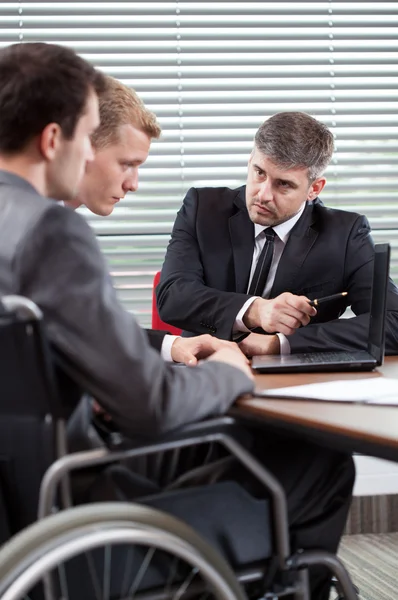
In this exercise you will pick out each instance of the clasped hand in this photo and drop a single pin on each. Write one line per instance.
(190, 350)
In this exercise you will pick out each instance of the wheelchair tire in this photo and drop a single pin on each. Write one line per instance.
(44, 536)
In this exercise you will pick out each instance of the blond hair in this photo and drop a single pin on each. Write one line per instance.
(120, 105)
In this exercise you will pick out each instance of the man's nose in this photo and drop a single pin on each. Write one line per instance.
(131, 183)
(265, 190)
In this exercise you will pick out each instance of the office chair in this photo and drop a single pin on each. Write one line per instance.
(157, 322)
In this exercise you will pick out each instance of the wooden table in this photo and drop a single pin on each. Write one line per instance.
(368, 429)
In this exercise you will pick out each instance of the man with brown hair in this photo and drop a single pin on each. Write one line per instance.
(49, 110)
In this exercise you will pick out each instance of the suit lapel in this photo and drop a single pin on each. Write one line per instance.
(242, 240)
(300, 242)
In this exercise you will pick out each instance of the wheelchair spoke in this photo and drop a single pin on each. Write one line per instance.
(185, 584)
(93, 575)
(107, 572)
(209, 453)
(157, 466)
(127, 571)
(141, 572)
(63, 584)
(172, 574)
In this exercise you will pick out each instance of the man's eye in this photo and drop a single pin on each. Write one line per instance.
(284, 184)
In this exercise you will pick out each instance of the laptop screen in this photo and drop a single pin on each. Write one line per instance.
(378, 302)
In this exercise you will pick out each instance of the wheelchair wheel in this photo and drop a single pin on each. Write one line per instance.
(112, 551)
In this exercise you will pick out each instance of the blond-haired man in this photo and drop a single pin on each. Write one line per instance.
(121, 145)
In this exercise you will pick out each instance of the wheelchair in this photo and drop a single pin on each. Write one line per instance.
(229, 545)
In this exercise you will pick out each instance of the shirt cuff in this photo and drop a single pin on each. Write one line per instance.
(239, 324)
(284, 344)
(167, 343)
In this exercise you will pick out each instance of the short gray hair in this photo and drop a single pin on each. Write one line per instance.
(295, 139)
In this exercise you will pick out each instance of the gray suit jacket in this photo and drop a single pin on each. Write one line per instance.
(50, 255)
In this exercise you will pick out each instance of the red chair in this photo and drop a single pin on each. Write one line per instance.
(157, 322)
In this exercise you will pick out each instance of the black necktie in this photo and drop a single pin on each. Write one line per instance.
(261, 272)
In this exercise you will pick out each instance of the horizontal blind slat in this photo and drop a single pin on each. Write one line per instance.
(213, 73)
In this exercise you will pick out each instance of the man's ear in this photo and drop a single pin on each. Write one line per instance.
(50, 140)
(316, 188)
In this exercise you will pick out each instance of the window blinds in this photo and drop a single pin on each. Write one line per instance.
(212, 72)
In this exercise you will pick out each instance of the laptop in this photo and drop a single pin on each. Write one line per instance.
(356, 360)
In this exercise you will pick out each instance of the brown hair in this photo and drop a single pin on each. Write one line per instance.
(120, 105)
(295, 139)
(41, 84)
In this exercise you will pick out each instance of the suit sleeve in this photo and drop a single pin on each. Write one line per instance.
(60, 267)
(183, 297)
(352, 333)
(155, 338)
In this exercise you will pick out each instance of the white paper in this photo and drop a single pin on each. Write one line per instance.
(377, 390)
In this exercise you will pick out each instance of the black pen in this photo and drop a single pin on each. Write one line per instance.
(319, 301)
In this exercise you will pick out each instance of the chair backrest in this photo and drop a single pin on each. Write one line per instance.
(30, 413)
(157, 322)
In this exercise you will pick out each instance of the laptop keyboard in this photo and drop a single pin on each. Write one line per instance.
(315, 357)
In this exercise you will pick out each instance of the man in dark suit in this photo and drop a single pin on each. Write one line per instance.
(219, 234)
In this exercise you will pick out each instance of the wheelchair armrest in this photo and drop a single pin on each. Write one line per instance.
(115, 440)
(223, 430)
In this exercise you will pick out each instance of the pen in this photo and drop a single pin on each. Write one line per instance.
(319, 301)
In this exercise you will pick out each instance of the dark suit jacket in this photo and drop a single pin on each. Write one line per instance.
(155, 338)
(50, 255)
(207, 267)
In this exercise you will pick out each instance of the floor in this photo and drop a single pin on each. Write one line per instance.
(372, 560)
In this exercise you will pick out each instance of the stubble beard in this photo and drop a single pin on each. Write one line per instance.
(269, 220)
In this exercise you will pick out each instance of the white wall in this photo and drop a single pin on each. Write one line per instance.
(375, 476)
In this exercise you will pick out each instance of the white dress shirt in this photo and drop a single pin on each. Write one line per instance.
(167, 343)
(282, 235)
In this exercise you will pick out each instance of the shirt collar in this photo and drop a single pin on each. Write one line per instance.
(283, 230)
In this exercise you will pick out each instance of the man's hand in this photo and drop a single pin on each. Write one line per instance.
(190, 350)
(257, 343)
(99, 411)
(234, 357)
(283, 314)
